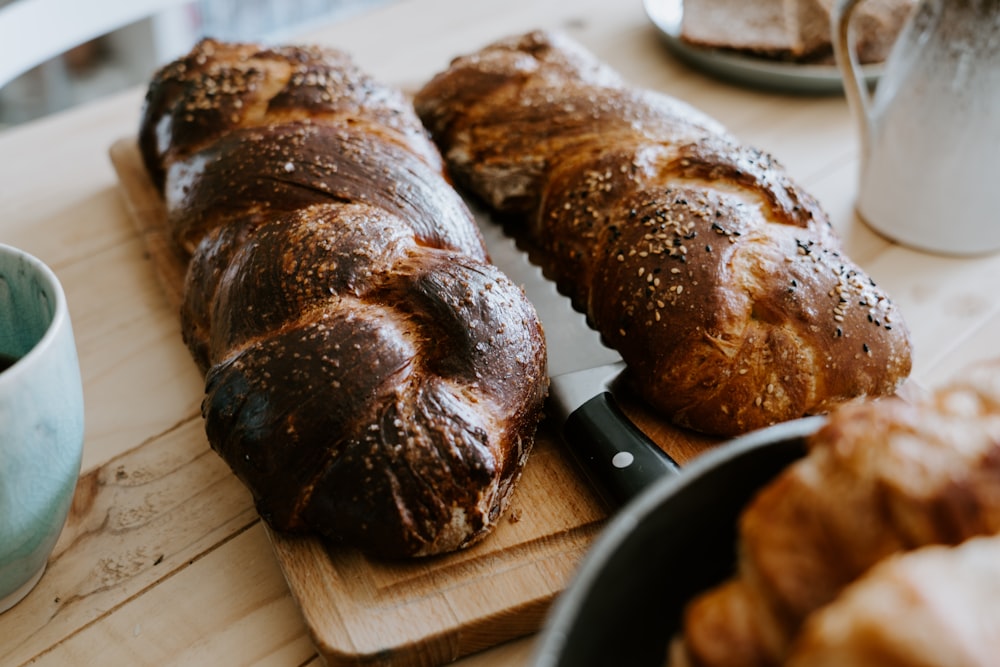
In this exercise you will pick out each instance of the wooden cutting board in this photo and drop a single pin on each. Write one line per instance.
(430, 611)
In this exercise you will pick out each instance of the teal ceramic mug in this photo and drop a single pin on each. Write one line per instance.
(41, 420)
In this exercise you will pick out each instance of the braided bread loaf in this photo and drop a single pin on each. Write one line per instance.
(719, 280)
(370, 376)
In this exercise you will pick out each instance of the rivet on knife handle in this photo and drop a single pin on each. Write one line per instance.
(617, 457)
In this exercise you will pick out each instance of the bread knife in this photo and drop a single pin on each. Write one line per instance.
(615, 455)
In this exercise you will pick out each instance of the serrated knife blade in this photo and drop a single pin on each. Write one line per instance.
(617, 457)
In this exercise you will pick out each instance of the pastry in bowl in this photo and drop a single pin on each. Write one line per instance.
(880, 479)
(933, 607)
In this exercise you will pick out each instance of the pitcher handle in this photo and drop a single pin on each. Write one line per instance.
(855, 87)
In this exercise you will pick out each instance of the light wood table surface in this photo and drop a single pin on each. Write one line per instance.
(136, 581)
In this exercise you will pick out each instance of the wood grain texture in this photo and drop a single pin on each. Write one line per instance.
(361, 611)
(134, 523)
(219, 597)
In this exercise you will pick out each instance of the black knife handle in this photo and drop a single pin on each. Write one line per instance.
(617, 457)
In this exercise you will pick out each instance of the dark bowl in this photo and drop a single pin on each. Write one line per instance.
(676, 538)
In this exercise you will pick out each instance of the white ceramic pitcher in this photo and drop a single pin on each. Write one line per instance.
(930, 134)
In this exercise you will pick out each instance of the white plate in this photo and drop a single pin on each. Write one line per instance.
(746, 69)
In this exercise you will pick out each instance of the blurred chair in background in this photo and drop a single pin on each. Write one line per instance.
(35, 31)
(57, 53)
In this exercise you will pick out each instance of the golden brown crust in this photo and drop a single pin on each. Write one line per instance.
(932, 607)
(219, 86)
(369, 375)
(881, 478)
(718, 279)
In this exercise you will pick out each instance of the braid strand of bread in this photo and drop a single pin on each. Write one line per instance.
(369, 375)
(717, 278)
